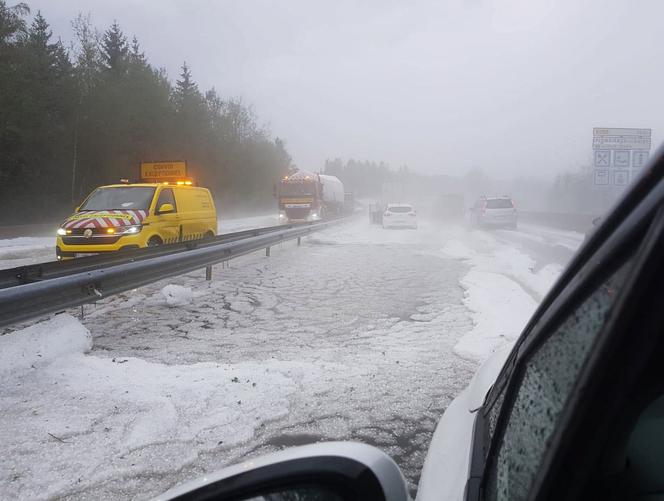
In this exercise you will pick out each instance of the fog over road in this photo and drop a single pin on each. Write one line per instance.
(361, 333)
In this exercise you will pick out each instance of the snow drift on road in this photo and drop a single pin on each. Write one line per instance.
(502, 291)
(41, 344)
(176, 295)
(120, 416)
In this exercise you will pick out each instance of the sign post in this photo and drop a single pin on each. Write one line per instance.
(618, 154)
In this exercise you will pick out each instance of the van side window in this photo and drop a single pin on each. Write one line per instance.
(166, 197)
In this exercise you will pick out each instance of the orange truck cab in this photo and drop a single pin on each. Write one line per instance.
(130, 216)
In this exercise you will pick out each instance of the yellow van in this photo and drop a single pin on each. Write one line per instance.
(129, 216)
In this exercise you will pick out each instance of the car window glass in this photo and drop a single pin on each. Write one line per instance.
(494, 412)
(499, 203)
(401, 209)
(166, 197)
(547, 382)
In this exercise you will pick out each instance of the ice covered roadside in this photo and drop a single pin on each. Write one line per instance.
(114, 415)
(25, 250)
(502, 290)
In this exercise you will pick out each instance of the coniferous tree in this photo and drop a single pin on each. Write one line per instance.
(70, 121)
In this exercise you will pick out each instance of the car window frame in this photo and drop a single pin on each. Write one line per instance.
(603, 252)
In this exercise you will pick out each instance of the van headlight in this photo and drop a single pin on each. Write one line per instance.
(62, 232)
(128, 230)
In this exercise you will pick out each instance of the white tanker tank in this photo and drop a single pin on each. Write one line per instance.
(333, 193)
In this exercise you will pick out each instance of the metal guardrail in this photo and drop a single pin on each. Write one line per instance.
(59, 286)
(20, 275)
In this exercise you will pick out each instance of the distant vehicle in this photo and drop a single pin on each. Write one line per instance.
(129, 216)
(494, 211)
(349, 202)
(375, 213)
(305, 196)
(574, 410)
(449, 207)
(400, 216)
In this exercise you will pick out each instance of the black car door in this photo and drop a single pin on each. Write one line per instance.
(562, 417)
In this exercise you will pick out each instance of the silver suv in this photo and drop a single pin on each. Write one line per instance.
(494, 211)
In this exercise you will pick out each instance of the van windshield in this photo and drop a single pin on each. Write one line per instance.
(127, 198)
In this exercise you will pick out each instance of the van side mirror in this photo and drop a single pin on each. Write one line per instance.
(165, 209)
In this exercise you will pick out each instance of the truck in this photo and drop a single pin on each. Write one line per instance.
(306, 196)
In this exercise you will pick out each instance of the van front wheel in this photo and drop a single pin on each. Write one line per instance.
(154, 241)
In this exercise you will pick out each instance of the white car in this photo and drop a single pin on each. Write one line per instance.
(494, 211)
(400, 216)
(574, 410)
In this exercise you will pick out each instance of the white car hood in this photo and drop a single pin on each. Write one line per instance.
(445, 470)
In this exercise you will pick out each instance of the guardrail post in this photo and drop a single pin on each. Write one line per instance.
(267, 251)
(299, 241)
(208, 272)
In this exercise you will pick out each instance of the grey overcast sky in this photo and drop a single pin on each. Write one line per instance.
(511, 86)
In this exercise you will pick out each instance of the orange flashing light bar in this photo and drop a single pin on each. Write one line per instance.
(178, 182)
